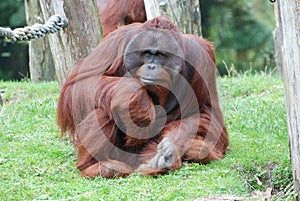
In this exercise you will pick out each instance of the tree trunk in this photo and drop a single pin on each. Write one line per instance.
(184, 13)
(76, 41)
(289, 14)
(41, 65)
(277, 38)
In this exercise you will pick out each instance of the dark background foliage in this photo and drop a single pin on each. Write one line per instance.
(242, 32)
(13, 56)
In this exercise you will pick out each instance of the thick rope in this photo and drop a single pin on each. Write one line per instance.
(54, 24)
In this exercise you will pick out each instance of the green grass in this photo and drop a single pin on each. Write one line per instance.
(36, 164)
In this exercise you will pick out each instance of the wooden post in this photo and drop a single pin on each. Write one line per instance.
(152, 9)
(76, 41)
(277, 38)
(41, 65)
(289, 18)
(184, 13)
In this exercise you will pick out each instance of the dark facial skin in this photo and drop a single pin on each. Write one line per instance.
(154, 58)
(153, 71)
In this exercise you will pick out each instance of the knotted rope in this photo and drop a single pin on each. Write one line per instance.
(54, 24)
